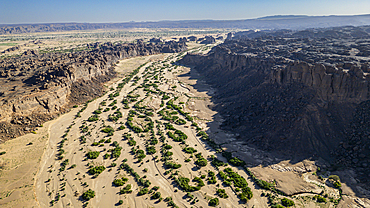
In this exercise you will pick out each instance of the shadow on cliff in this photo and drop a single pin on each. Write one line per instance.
(228, 130)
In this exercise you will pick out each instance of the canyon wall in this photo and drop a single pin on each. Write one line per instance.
(290, 96)
(37, 87)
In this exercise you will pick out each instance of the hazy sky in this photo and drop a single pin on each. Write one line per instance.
(41, 11)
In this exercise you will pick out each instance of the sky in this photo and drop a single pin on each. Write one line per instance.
(107, 11)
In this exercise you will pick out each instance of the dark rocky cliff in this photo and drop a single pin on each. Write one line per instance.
(294, 96)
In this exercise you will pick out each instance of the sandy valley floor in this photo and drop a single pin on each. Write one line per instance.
(52, 165)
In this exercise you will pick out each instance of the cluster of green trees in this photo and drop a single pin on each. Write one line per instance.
(238, 182)
(115, 116)
(140, 154)
(80, 111)
(218, 163)
(171, 105)
(113, 103)
(87, 195)
(222, 193)
(60, 149)
(120, 181)
(233, 160)
(150, 150)
(178, 136)
(63, 165)
(139, 180)
(287, 202)
(126, 190)
(92, 154)
(116, 152)
(183, 182)
(96, 170)
(201, 161)
(213, 202)
(172, 165)
(211, 177)
(189, 150)
(109, 130)
(134, 128)
(143, 191)
(156, 195)
(93, 118)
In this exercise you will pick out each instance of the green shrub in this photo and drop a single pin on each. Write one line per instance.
(222, 193)
(216, 162)
(132, 142)
(189, 150)
(264, 184)
(246, 194)
(167, 146)
(92, 155)
(167, 154)
(201, 162)
(150, 150)
(172, 165)
(236, 161)
(319, 199)
(97, 112)
(213, 202)
(157, 195)
(287, 202)
(108, 130)
(337, 184)
(184, 184)
(180, 122)
(93, 118)
(143, 191)
(89, 194)
(118, 182)
(96, 170)
(126, 190)
(116, 152)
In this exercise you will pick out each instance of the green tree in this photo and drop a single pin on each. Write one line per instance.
(287, 202)
(89, 194)
(213, 202)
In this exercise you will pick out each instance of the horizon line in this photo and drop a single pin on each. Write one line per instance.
(157, 21)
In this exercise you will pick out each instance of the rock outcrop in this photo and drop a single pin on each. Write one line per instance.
(208, 40)
(37, 87)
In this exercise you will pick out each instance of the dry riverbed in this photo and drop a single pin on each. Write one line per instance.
(137, 145)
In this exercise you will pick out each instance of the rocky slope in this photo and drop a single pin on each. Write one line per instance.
(300, 94)
(37, 87)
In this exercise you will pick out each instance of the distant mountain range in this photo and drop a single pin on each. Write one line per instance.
(293, 22)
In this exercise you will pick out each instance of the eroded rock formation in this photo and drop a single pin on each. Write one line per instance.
(37, 87)
(300, 94)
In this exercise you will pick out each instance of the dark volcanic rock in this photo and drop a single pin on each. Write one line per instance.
(293, 93)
